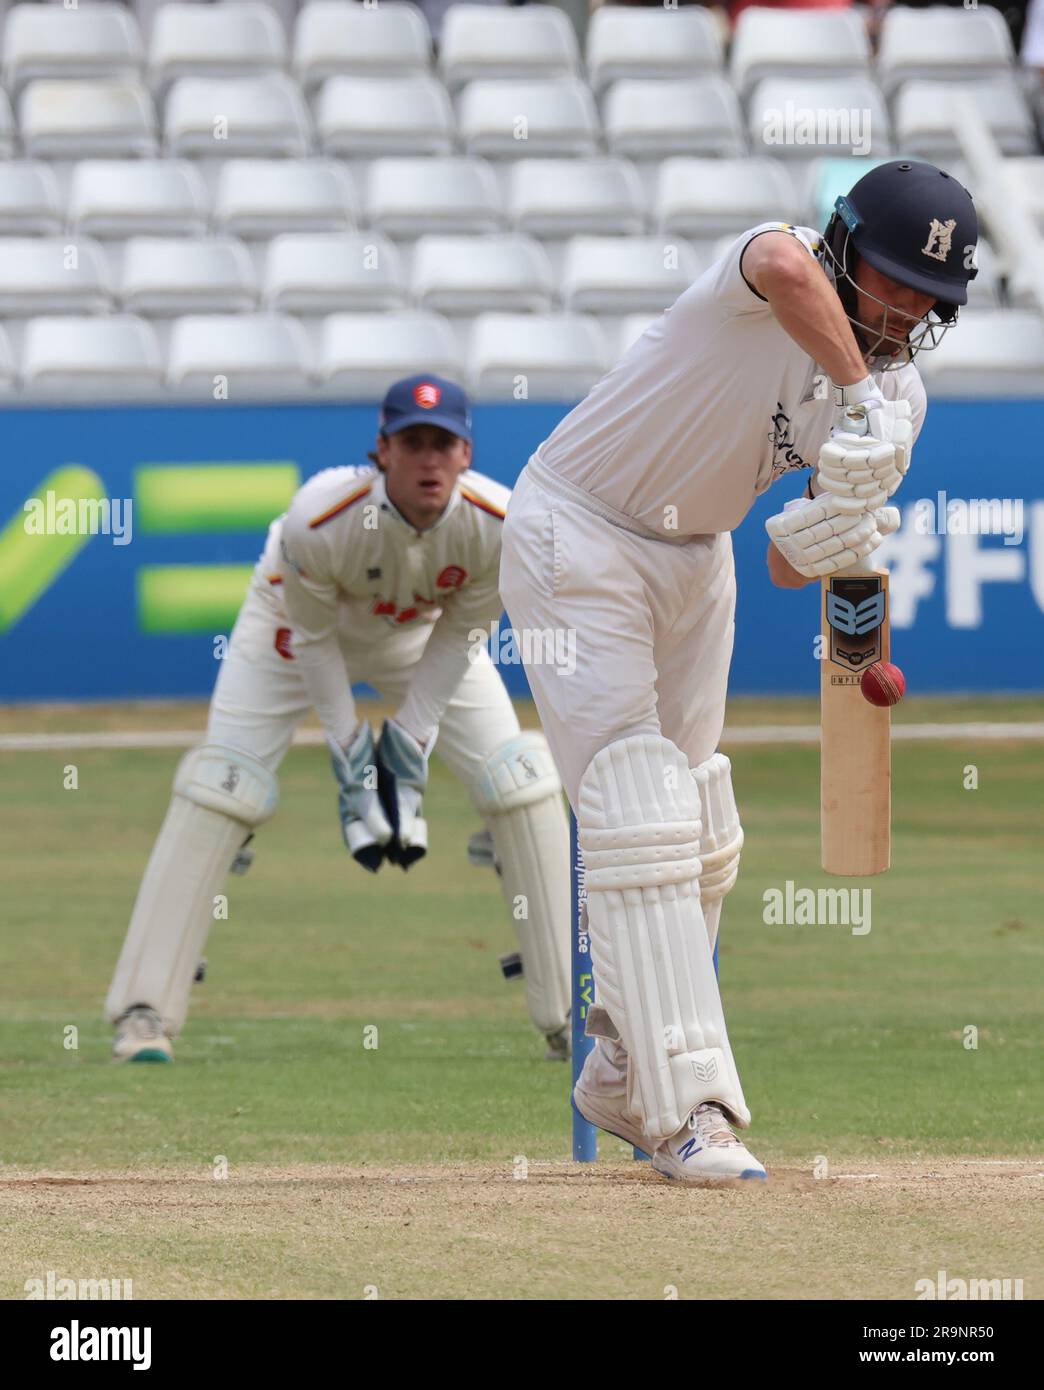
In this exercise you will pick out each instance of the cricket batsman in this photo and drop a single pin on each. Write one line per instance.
(380, 574)
(794, 351)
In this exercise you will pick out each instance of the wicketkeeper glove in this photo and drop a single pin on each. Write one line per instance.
(366, 829)
(817, 537)
(402, 770)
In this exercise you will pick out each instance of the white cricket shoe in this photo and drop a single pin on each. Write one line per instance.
(140, 1037)
(706, 1150)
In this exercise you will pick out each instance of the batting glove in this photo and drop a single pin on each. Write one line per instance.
(868, 453)
(817, 536)
(402, 769)
(366, 829)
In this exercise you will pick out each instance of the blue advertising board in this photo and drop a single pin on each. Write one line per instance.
(129, 614)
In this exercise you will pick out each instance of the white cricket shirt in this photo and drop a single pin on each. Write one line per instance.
(711, 405)
(343, 560)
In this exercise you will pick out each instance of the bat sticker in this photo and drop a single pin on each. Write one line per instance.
(852, 618)
(855, 612)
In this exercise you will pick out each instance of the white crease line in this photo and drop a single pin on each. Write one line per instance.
(750, 734)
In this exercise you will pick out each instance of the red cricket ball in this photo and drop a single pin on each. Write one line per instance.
(883, 684)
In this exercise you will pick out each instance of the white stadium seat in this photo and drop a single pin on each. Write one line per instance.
(8, 375)
(241, 356)
(95, 359)
(30, 202)
(623, 275)
(364, 117)
(127, 197)
(797, 43)
(988, 354)
(221, 40)
(509, 120)
(334, 37)
(537, 357)
(1025, 177)
(626, 42)
(52, 275)
(407, 197)
(802, 118)
(318, 273)
(564, 197)
(7, 132)
(925, 126)
(167, 276)
(360, 355)
(79, 119)
(236, 116)
(483, 41)
(710, 197)
(260, 198)
(100, 41)
(968, 42)
(649, 119)
(467, 275)
(824, 181)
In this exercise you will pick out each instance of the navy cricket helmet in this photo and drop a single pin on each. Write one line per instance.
(917, 225)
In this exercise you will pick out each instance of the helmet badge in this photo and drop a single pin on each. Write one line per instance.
(940, 235)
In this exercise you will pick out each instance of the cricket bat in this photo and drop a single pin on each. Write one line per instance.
(856, 747)
(855, 771)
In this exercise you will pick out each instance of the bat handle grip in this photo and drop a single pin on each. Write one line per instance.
(856, 421)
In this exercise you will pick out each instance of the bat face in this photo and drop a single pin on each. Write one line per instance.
(855, 768)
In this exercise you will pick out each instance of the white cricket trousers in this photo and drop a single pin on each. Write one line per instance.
(653, 623)
(260, 696)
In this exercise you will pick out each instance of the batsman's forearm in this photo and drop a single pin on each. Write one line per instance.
(782, 573)
(809, 311)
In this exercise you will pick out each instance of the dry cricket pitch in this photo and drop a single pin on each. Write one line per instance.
(549, 1230)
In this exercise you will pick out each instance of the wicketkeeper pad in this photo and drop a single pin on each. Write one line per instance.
(519, 795)
(220, 796)
(639, 819)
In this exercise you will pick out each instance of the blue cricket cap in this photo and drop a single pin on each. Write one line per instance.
(426, 400)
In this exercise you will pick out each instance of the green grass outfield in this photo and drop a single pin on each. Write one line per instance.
(848, 1045)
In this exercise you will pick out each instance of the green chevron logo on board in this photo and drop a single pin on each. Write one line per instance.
(70, 508)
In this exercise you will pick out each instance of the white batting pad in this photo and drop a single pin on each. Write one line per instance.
(639, 819)
(220, 795)
(721, 837)
(519, 794)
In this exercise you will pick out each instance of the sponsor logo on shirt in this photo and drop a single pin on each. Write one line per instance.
(388, 608)
(785, 458)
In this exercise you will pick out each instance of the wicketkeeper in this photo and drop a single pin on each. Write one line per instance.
(381, 575)
(619, 529)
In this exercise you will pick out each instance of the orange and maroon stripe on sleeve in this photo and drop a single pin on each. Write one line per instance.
(482, 504)
(340, 507)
